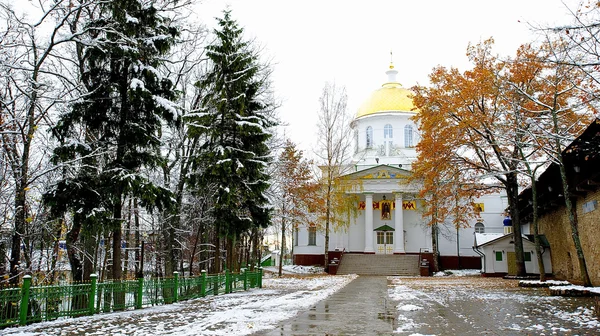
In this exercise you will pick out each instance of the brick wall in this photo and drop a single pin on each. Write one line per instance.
(555, 225)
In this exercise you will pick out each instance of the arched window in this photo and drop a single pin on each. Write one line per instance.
(479, 227)
(388, 131)
(408, 136)
(388, 135)
(369, 137)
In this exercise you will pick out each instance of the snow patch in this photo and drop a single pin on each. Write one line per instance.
(409, 307)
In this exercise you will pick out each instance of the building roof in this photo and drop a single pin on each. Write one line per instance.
(391, 97)
(482, 239)
(581, 158)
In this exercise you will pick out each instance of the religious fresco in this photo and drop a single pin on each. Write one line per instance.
(406, 205)
(386, 207)
(384, 174)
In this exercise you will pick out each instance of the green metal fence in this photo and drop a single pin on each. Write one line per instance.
(29, 304)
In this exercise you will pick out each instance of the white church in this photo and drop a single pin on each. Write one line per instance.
(389, 219)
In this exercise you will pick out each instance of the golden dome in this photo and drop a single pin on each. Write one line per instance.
(391, 97)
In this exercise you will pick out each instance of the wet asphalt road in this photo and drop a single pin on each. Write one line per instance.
(442, 306)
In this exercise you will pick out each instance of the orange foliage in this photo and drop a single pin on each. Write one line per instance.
(481, 124)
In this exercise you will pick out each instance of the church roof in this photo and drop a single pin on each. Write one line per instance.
(391, 97)
(381, 171)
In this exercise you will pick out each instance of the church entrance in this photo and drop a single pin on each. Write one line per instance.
(385, 242)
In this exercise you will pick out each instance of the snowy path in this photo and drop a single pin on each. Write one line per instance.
(485, 306)
(233, 314)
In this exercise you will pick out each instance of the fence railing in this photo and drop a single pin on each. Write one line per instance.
(29, 304)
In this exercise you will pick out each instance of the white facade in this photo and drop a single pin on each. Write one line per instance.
(385, 140)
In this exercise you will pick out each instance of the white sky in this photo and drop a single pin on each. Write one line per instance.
(311, 42)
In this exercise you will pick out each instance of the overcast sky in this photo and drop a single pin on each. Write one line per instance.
(311, 42)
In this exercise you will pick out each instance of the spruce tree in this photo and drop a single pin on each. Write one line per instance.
(121, 116)
(234, 122)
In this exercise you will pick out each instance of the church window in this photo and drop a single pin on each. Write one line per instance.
(312, 236)
(369, 137)
(408, 136)
(388, 135)
(355, 141)
(389, 238)
(479, 228)
(527, 256)
(388, 131)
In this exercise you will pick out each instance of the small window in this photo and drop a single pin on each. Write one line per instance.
(369, 137)
(388, 131)
(479, 228)
(527, 256)
(380, 238)
(389, 238)
(498, 255)
(312, 236)
(408, 136)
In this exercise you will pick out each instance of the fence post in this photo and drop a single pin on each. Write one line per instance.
(140, 293)
(260, 274)
(216, 280)
(245, 279)
(176, 290)
(227, 281)
(92, 294)
(24, 299)
(203, 283)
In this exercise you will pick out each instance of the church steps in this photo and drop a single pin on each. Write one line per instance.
(377, 264)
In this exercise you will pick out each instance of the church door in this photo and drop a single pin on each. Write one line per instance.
(385, 242)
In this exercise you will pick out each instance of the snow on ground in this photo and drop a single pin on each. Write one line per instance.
(475, 305)
(547, 282)
(464, 272)
(241, 313)
(578, 288)
(296, 269)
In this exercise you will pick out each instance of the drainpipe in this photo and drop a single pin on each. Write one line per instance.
(476, 250)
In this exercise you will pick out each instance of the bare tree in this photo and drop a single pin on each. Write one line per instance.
(333, 147)
(35, 83)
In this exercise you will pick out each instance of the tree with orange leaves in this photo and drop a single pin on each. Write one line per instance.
(446, 189)
(554, 103)
(503, 119)
(296, 191)
(476, 132)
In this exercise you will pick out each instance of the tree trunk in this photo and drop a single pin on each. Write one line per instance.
(139, 270)
(512, 191)
(536, 233)
(217, 256)
(255, 248)
(15, 253)
(435, 248)
(74, 261)
(327, 220)
(282, 247)
(571, 210)
(573, 221)
(117, 271)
